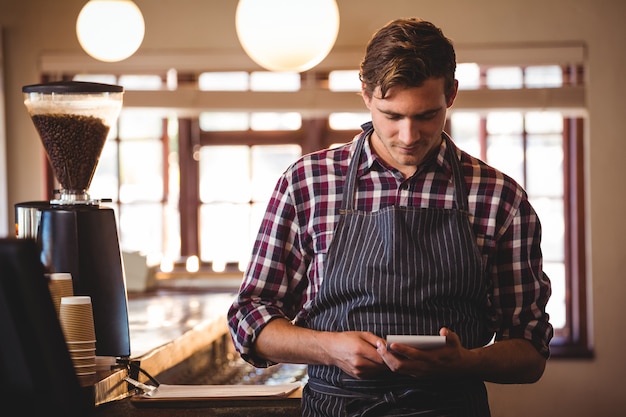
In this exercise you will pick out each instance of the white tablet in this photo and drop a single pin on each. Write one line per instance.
(419, 342)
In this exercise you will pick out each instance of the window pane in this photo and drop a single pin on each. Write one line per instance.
(275, 121)
(141, 171)
(544, 76)
(506, 153)
(347, 121)
(141, 82)
(545, 166)
(105, 180)
(346, 80)
(141, 228)
(505, 77)
(96, 78)
(173, 159)
(223, 81)
(231, 214)
(217, 161)
(140, 124)
(557, 306)
(224, 232)
(545, 154)
(465, 130)
(171, 237)
(505, 122)
(550, 212)
(544, 122)
(274, 81)
(268, 163)
(256, 217)
(224, 122)
(505, 148)
(468, 76)
(171, 79)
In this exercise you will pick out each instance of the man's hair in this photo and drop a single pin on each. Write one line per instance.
(407, 52)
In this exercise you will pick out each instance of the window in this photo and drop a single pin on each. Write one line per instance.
(160, 165)
(231, 209)
(529, 147)
(536, 149)
(132, 174)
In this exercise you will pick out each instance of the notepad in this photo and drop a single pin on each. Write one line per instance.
(218, 392)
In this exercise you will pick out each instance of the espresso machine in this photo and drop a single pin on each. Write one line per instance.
(78, 234)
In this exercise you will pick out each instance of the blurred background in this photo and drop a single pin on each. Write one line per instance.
(205, 131)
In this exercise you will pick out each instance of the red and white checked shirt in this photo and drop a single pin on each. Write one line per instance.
(287, 264)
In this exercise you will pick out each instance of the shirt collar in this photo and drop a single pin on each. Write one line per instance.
(438, 162)
(442, 162)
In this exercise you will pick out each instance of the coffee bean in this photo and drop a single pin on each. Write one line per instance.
(73, 144)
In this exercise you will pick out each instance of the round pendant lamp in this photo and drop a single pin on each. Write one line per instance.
(110, 30)
(287, 35)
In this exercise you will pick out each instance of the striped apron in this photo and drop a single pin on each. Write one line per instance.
(400, 270)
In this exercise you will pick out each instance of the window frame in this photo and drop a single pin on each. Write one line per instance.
(576, 341)
(315, 134)
(573, 341)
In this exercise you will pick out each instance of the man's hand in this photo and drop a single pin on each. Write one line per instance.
(356, 354)
(508, 361)
(439, 362)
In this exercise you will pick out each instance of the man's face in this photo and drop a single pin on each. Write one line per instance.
(408, 123)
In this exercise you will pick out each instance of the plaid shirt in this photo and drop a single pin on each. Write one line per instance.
(287, 264)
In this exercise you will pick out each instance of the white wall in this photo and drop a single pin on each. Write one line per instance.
(586, 387)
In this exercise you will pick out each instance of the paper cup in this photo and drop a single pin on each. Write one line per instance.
(84, 361)
(82, 353)
(88, 344)
(60, 285)
(76, 317)
(84, 369)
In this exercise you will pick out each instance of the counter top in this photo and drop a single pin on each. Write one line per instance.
(159, 318)
(165, 329)
(181, 337)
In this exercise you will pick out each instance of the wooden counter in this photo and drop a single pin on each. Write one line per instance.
(288, 407)
(181, 337)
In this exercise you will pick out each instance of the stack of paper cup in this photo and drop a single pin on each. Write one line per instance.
(76, 317)
(60, 285)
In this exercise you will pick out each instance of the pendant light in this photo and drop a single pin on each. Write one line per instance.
(110, 30)
(287, 35)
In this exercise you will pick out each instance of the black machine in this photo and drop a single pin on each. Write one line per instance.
(75, 233)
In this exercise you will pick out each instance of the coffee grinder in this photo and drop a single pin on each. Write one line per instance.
(76, 233)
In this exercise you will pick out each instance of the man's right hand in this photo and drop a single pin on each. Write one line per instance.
(354, 352)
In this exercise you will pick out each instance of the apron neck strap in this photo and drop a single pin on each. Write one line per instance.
(460, 190)
(347, 202)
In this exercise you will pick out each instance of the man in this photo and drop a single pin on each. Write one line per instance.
(398, 232)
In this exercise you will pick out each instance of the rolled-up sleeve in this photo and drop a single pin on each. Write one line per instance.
(276, 267)
(521, 288)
